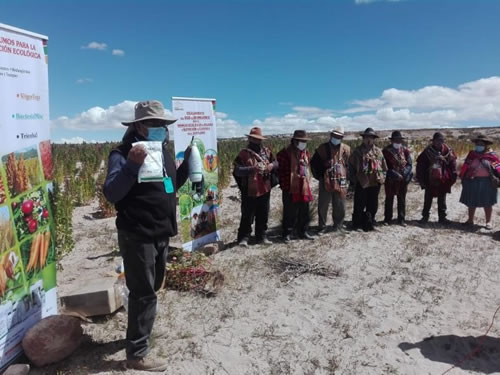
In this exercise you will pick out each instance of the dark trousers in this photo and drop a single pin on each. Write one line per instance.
(338, 207)
(441, 200)
(389, 203)
(295, 215)
(365, 207)
(254, 208)
(144, 262)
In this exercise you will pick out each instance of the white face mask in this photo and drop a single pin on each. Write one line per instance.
(397, 146)
(335, 141)
(302, 146)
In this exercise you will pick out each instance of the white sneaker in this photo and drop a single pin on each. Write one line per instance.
(265, 241)
(243, 242)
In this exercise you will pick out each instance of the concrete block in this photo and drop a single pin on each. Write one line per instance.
(99, 296)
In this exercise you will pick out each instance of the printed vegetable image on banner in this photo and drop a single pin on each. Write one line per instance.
(198, 197)
(27, 251)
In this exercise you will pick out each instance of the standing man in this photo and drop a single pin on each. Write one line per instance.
(367, 171)
(295, 176)
(252, 171)
(146, 219)
(329, 165)
(399, 174)
(436, 174)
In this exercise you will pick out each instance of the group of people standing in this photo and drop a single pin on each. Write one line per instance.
(146, 212)
(363, 170)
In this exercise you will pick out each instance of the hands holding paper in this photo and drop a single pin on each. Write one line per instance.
(137, 154)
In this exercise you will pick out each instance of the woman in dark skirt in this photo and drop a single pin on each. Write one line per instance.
(478, 189)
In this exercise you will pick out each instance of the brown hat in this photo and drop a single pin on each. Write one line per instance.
(369, 132)
(480, 137)
(300, 135)
(396, 135)
(256, 133)
(151, 110)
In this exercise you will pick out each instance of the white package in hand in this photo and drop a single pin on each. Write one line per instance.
(152, 168)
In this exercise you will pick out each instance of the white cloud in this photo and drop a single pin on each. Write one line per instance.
(221, 115)
(96, 45)
(311, 112)
(472, 103)
(118, 52)
(84, 80)
(98, 118)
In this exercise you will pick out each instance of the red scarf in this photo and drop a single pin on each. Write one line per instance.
(300, 175)
(488, 155)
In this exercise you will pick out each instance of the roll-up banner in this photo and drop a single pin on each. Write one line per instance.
(199, 196)
(27, 252)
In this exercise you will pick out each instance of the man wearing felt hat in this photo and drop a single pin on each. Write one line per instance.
(367, 172)
(294, 177)
(146, 219)
(253, 168)
(399, 174)
(329, 166)
(436, 174)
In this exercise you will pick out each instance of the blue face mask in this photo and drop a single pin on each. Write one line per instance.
(157, 134)
(479, 148)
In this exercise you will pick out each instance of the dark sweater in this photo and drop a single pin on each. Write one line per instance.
(144, 209)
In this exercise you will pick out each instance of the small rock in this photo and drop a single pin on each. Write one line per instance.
(52, 339)
(19, 369)
(212, 248)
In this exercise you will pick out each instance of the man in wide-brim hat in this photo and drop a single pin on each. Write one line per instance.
(329, 165)
(399, 173)
(367, 170)
(481, 138)
(294, 177)
(436, 174)
(146, 219)
(480, 174)
(253, 169)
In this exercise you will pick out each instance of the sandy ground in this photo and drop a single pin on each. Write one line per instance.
(411, 300)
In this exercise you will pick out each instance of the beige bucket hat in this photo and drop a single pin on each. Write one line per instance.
(151, 110)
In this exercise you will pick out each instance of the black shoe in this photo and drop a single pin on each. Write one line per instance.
(402, 222)
(306, 236)
(444, 221)
(423, 220)
(287, 238)
(386, 222)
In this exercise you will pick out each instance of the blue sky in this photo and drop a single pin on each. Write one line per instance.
(280, 65)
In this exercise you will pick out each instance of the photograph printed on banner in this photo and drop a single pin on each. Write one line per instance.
(31, 213)
(22, 169)
(37, 252)
(11, 275)
(3, 193)
(7, 233)
(46, 158)
(210, 161)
